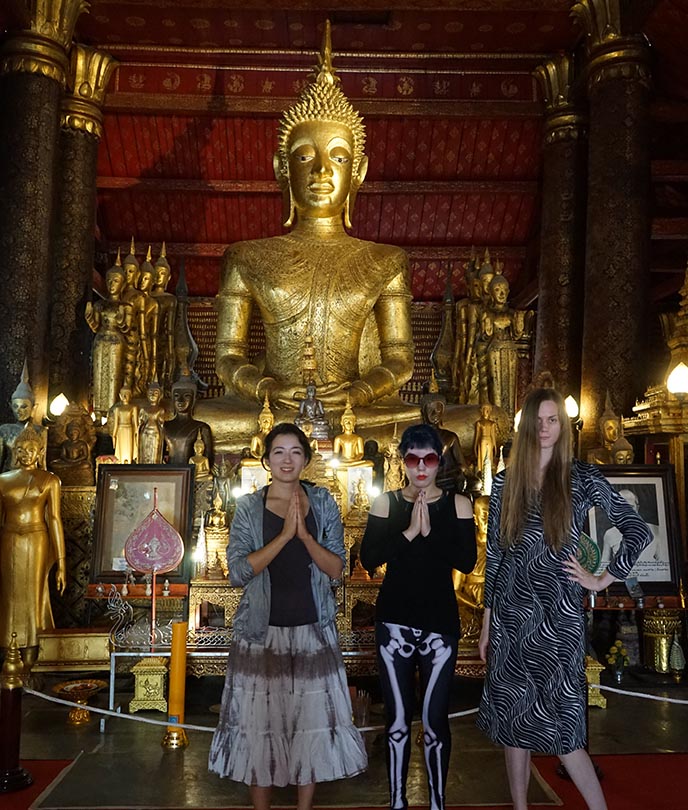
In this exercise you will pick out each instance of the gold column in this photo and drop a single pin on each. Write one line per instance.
(33, 70)
(562, 242)
(618, 219)
(81, 127)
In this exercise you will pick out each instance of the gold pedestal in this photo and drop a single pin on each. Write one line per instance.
(593, 670)
(79, 692)
(149, 685)
(659, 626)
(174, 738)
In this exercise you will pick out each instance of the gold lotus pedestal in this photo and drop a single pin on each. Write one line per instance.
(79, 692)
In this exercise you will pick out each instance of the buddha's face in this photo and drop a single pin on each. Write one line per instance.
(476, 289)
(348, 424)
(265, 424)
(21, 408)
(125, 395)
(320, 167)
(500, 292)
(162, 276)
(154, 395)
(610, 430)
(623, 457)
(183, 399)
(146, 280)
(115, 282)
(73, 431)
(131, 272)
(434, 411)
(27, 453)
(485, 281)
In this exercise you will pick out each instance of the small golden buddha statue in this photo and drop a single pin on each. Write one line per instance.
(451, 475)
(31, 542)
(348, 446)
(217, 534)
(485, 443)
(182, 430)
(610, 429)
(622, 451)
(151, 426)
(360, 504)
(124, 428)
(168, 311)
(134, 301)
(468, 318)
(151, 317)
(76, 438)
(504, 336)
(22, 403)
(110, 319)
(200, 460)
(470, 587)
(266, 422)
(395, 476)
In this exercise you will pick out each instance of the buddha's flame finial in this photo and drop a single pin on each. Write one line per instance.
(132, 247)
(118, 260)
(325, 72)
(163, 251)
(148, 254)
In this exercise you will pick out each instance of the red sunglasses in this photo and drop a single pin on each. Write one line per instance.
(411, 460)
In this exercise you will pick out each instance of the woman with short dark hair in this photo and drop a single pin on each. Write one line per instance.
(286, 711)
(422, 533)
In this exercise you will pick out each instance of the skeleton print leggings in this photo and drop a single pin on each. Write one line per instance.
(401, 651)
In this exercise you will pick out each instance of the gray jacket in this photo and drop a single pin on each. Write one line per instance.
(246, 535)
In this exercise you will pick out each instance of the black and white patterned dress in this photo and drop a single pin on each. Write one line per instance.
(535, 693)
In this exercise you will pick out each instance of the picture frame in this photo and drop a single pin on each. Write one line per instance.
(651, 490)
(124, 497)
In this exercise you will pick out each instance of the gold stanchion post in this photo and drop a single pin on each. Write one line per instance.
(175, 737)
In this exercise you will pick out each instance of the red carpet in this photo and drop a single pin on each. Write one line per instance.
(44, 771)
(630, 781)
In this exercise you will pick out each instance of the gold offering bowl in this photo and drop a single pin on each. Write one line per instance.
(79, 692)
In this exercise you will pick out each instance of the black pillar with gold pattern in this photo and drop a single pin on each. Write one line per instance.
(81, 124)
(33, 67)
(618, 222)
(562, 240)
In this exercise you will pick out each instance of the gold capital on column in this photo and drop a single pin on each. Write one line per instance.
(90, 72)
(613, 51)
(562, 120)
(42, 45)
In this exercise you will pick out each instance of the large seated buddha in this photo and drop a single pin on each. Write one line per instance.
(351, 296)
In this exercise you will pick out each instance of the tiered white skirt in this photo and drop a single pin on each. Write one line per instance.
(286, 712)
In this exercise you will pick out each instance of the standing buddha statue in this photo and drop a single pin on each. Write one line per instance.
(266, 422)
(133, 299)
(166, 320)
(151, 317)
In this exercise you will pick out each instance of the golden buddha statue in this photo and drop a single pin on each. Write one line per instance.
(31, 542)
(395, 477)
(468, 318)
(151, 426)
(200, 460)
(451, 474)
(124, 428)
(609, 425)
(622, 451)
(266, 422)
(181, 431)
(351, 296)
(133, 299)
(348, 446)
(217, 534)
(166, 320)
(22, 403)
(485, 444)
(76, 438)
(110, 319)
(504, 336)
(470, 587)
(312, 412)
(151, 315)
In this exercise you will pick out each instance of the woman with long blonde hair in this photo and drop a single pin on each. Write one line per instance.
(533, 635)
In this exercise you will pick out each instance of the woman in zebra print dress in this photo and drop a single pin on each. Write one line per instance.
(533, 635)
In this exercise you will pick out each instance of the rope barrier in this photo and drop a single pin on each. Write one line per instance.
(191, 727)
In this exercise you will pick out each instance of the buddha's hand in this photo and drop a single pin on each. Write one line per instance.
(61, 577)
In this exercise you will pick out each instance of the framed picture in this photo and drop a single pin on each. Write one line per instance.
(651, 491)
(124, 497)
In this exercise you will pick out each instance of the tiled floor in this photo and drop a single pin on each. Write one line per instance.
(627, 725)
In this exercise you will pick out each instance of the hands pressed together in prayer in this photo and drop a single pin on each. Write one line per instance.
(420, 518)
